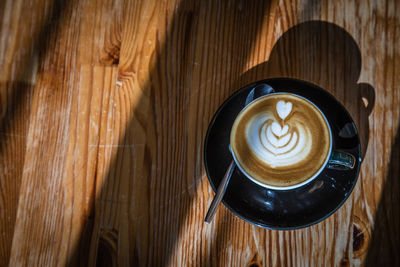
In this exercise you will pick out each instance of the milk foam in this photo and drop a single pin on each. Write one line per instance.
(280, 140)
(276, 143)
(283, 109)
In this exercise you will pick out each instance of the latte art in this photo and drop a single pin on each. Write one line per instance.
(280, 140)
(276, 143)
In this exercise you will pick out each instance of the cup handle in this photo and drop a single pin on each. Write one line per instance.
(340, 160)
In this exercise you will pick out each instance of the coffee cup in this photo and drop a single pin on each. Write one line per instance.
(283, 141)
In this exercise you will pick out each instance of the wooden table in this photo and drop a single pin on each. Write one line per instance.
(104, 106)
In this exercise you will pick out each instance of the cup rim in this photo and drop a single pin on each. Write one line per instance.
(291, 187)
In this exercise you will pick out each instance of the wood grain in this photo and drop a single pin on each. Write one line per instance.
(20, 43)
(104, 109)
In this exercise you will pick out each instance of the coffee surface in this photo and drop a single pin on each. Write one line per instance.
(281, 140)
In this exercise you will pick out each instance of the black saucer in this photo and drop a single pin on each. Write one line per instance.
(274, 209)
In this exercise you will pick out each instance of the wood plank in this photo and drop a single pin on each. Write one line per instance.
(12, 147)
(63, 88)
(21, 38)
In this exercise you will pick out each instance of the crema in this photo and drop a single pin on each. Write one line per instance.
(281, 139)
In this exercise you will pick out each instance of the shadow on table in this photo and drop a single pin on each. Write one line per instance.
(326, 55)
(384, 245)
(164, 171)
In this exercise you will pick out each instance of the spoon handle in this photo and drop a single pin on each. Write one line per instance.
(220, 193)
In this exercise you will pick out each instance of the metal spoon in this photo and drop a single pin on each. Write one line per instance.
(256, 92)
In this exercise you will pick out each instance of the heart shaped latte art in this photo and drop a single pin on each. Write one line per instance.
(278, 130)
(283, 108)
(278, 142)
